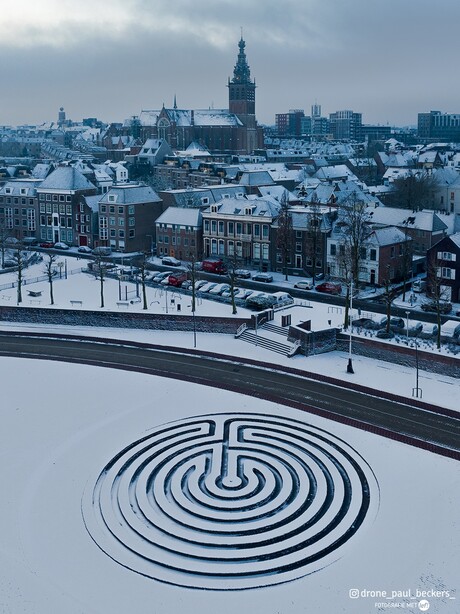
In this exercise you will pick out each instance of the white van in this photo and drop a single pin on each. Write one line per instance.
(419, 285)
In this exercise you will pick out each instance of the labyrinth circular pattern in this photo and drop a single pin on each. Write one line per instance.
(230, 501)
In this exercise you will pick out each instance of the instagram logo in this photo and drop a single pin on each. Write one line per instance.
(354, 593)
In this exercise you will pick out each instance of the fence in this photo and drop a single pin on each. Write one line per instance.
(33, 280)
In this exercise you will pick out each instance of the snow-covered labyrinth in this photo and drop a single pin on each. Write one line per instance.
(230, 501)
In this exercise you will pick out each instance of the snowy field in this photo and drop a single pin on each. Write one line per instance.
(86, 531)
(61, 430)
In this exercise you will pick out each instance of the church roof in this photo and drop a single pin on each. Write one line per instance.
(186, 117)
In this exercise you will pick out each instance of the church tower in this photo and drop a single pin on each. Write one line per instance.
(241, 90)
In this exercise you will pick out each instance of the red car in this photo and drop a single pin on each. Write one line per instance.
(177, 279)
(47, 244)
(329, 288)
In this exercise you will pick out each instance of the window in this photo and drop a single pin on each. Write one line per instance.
(113, 232)
(447, 273)
(373, 255)
(131, 210)
(103, 208)
(160, 238)
(256, 251)
(112, 221)
(333, 249)
(298, 247)
(363, 253)
(68, 199)
(213, 226)
(121, 234)
(120, 210)
(55, 198)
(231, 248)
(265, 247)
(121, 221)
(231, 228)
(131, 221)
(61, 198)
(111, 198)
(214, 246)
(206, 226)
(221, 228)
(392, 251)
(298, 234)
(131, 233)
(111, 209)
(221, 247)
(256, 230)
(68, 209)
(265, 231)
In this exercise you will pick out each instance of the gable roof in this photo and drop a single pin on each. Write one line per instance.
(181, 216)
(66, 178)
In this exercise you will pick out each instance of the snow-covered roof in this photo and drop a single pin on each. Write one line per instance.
(130, 193)
(393, 216)
(387, 236)
(256, 178)
(183, 216)
(260, 207)
(188, 117)
(66, 178)
(338, 171)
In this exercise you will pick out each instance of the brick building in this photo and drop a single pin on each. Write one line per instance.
(179, 233)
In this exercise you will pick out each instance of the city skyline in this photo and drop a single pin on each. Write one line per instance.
(111, 60)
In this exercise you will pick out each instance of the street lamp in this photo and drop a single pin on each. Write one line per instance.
(416, 392)
(350, 363)
(407, 325)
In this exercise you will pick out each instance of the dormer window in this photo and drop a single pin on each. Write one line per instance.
(24, 191)
(8, 190)
(112, 198)
(214, 209)
(205, 200)
(248, 211)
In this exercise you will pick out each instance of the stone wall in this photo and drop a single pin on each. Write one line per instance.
(148, 321)
(313, 342)
(401, 355)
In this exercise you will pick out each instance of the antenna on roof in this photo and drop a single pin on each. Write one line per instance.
(241, 28)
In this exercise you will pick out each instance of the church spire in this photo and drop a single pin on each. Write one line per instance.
(241, 72)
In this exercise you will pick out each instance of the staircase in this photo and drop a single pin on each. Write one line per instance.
(261, 339)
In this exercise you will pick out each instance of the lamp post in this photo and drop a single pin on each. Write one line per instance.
(151, 243)
(416, 392)
(407, 325)
(350, 362)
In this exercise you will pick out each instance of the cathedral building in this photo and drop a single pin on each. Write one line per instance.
(223, 131)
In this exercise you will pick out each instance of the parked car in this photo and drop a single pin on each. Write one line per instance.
(158, 278)
(237, 293)
(84, 249)
(60, 245)
(186, 285)
(304, 284)
(419, 285)
(9, 263)
(245, 292)
(208, 286)
(217, 290)
(266, 277)
(242, 273)
(170, 261)
(364, 323)
(444, 307)
(200, 283)
(102, 251)
(47, 244)
(30, 241)
(383, 334)
(177, 279)
(329, 287)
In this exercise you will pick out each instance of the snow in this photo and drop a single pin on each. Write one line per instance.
(69, 422)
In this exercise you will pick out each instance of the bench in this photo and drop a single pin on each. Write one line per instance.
(135, 300)
(75, 303)
(123, 304)
(35, 293)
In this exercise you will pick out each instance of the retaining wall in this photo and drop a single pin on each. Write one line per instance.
(149, 321)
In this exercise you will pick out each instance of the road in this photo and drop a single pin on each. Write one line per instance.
(412, 424)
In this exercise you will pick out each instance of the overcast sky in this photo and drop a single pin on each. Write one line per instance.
(387, 59)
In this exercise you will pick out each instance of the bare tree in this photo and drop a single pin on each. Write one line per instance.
(354, 224)
(143, 273)
(314, 236)
(100, 270)
(233, 264)
(5, 234)
(416, 191)
(438, 296)
(406, 260)
(50, 272)
(388, 297)
(284, 233)
(20, 264)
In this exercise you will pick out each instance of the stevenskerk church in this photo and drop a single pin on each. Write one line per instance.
(233, 130)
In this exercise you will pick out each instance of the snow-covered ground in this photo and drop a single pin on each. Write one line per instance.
(61, 430)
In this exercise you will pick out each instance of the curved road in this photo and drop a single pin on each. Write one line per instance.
(431, 428)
